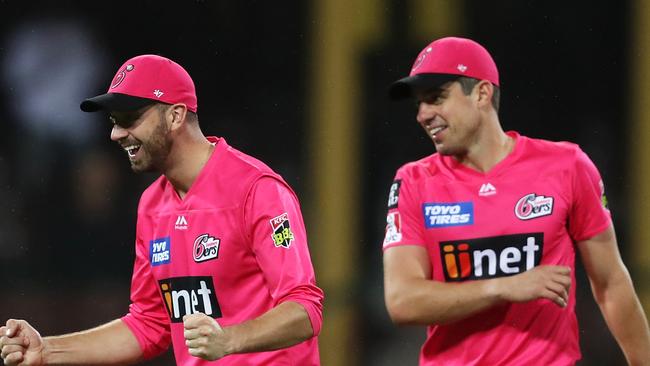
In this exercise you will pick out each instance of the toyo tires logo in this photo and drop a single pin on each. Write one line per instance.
(532, 206)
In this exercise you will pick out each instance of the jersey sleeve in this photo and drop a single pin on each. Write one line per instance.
(147, 317)
(278, 238)
(589, 215)
(404, 223)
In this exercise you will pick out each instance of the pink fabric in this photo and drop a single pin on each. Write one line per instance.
(530, 209)
(217, 251)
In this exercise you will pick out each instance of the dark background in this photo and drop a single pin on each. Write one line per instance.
(68, 197)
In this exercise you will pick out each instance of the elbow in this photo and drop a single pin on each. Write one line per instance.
(401, 311)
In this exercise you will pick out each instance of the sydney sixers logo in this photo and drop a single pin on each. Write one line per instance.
(206, 247)
(532, 206)
(119, 77)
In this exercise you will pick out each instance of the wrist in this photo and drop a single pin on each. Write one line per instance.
(495, 289)
(233, 342)
(46, 352)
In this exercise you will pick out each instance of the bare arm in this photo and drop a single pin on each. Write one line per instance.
(283, 326)
(412, 298)
(614, 292)
(109, 344)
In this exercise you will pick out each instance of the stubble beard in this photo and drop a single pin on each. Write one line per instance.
(155, 149)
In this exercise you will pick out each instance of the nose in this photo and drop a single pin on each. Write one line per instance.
(427, 112)
(118, 133)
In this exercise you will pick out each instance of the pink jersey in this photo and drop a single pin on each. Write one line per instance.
(530, 209)
(233, 248)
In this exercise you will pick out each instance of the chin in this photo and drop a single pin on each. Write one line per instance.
(141, 168)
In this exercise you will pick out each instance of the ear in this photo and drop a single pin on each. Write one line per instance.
(485, 90)
(177, 113)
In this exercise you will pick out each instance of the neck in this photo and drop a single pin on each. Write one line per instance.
(489, 149)
(186, 162)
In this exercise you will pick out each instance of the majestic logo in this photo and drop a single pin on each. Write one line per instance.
(393, 228)
(188, 295)
(448, 214)
(532, 206)
(119, 77)
(485, 258)
(205, 248)
(160, 251)
(282, 235)
(181, 223)
(487, 189)
(393, 196)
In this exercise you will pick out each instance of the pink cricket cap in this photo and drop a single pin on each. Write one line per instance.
(445, 60)
(143, 80)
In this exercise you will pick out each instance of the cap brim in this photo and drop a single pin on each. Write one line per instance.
(114, 102)
(404, 88)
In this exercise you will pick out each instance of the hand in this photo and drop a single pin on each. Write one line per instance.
(542, 282)
(21, 344)
(204, 337)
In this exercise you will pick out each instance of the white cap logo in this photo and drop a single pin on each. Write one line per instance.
(158, 93)
(420, 59)
(461, 68)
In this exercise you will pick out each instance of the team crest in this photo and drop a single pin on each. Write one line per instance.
(532, 206)
(282, 235)
(119, 77)
(205, 247)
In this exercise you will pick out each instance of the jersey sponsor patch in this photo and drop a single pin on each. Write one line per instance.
(393, 228)
(603, 197)
(438, 215)
(205, 247)
(188, 295)
(393, 196)
(483, 258)
(532, 206)
(160, 251)
(282, 234)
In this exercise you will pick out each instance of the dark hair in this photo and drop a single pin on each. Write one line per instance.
(191, 117)
(468, 84)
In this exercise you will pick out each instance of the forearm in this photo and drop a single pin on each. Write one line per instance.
(285, 325)
(109, 344)
(625, 318)
(425, 302)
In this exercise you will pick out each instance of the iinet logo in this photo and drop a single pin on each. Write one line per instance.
(188, 295)
(497, 256)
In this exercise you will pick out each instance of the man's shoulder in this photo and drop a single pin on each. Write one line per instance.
(558, 151)
(418, 169)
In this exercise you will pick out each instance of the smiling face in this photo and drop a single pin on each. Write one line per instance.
(144, 135)
(449, 117)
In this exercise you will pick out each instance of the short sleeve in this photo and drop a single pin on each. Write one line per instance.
(277, 232)
(404, 223)
(147, 317)
(589, 215)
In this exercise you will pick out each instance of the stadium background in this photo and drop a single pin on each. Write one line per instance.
(301, 85)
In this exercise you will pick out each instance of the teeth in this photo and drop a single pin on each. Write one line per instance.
(434, 131)
(132, 150)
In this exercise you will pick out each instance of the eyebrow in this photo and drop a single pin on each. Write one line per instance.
(127, 118)
(433, 93)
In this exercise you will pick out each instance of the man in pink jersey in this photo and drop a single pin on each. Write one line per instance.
(481, 236)
(222, 268)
